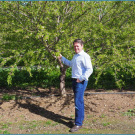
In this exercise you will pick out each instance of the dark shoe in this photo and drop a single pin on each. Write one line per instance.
(75, 128)
(73, 122)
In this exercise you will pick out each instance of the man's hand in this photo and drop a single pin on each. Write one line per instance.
(60, 56)
(78, 81)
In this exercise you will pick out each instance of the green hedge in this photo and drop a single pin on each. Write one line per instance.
(22, 78)
(47, 78)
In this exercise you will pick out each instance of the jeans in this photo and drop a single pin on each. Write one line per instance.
(78, 89)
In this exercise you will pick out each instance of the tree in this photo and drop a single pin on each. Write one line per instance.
(45, 29)
(111, 38)
(36, 32)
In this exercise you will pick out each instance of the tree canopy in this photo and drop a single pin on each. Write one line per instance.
(35, 33)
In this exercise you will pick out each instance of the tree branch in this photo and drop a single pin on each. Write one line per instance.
(69, 24)
(107, 12)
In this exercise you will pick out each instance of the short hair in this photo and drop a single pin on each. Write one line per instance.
(78, 41)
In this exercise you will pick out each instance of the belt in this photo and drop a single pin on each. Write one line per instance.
(76, 79)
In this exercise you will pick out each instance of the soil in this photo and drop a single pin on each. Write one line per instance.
(104, 111)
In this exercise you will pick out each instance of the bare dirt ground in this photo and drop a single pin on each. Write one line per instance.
(42, 111)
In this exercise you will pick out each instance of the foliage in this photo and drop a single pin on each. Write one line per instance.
(111, 39)
(22, 79)
(36, 32)
(8, 97)
(47, 78)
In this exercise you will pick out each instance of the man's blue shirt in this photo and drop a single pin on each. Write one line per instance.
(81, 65)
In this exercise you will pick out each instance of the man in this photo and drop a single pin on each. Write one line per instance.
(81, 70)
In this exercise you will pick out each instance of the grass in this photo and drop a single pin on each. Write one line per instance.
(21, 127)
(47, 123)
(51, 127)
(106, 124)
(4, 126)
(72, 116)
(89, 116)
(55, 124)
(22, 116)
(130, 112)
(45, 132)
(8, 97)
(6, 132)
(33, 126)
(103, 115)
(15, 119)
(1, 116)
(94, 120)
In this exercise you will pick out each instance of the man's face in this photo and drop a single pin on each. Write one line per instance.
(78, 47)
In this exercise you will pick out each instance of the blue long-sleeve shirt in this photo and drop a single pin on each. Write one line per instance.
(81, 65)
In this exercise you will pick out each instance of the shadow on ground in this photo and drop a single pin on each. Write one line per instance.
(36, 109)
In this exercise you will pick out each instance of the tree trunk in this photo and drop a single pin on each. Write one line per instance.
(63, 69)
(62, 90)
